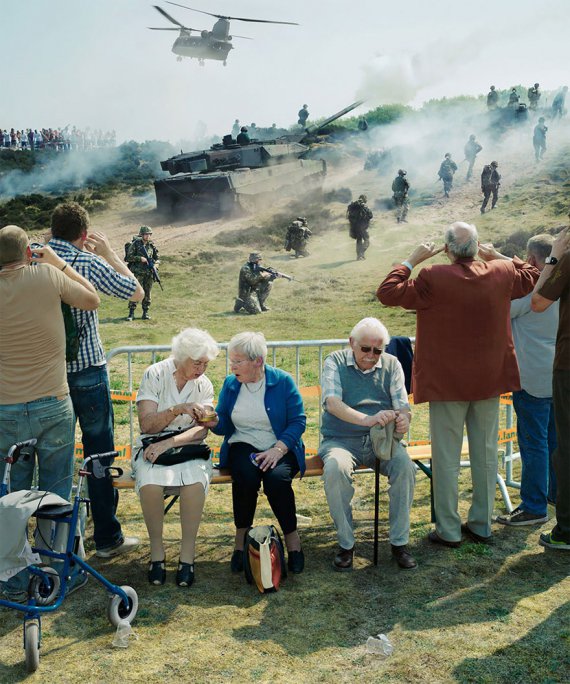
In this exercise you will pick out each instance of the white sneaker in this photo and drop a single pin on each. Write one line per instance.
(128, 544)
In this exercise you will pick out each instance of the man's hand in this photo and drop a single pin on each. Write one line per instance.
(46, 255)
(98, 243)
(422, 252)
(381, 418)
(488, 253)
(143, 260)
(561, 243)
(402, 422)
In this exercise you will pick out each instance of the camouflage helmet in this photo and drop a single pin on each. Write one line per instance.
(301, 218)
(401, 172)
(541, 120)
(492, 87)
(448, 155)
(243, 129)
(495, 164)
(536, 85)
(255, 256)
(472, 136)
(363, 198)
(145, 230)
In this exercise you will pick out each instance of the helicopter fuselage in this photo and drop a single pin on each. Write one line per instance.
(201, 47)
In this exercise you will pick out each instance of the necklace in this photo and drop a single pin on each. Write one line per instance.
(262, 383)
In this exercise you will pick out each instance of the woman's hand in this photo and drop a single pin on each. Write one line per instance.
(269, 458)
(153, 451)
(203, 415)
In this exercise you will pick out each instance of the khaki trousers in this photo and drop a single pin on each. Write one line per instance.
(447, 418)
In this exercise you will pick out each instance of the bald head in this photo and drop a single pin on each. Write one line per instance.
(13, 245)
(461, 240)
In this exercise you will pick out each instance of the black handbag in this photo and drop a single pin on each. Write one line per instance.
(176, 455)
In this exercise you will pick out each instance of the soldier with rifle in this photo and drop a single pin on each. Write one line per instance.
(471, 150)
(297, 237)
(400, 188)
(254, 286)
(359, 217)
(490, 181)
(534, 96)
(492, 99)
(142, 259)
(446, 170)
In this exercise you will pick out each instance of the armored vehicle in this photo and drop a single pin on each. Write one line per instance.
(230, 177)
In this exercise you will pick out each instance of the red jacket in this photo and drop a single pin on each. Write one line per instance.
(464, 345)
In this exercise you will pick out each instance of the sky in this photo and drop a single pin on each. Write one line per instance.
(94, 62)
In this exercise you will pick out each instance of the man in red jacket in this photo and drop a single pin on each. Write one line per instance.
(464, 360)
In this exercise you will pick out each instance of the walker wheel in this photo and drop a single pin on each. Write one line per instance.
(32, 645)
(117, 610)
(45, 589)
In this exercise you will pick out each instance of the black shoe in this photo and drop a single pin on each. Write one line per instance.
(473, 536)
(145, 316)
(130, 317)
(265, 308)
(434, 538)
(156, 572)
(403, 557)
(296, 562)
(236, 563)
(185, 574)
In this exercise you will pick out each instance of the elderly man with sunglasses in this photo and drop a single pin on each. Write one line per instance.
(363, 387)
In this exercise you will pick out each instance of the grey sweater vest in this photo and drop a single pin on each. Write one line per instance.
(367, 393)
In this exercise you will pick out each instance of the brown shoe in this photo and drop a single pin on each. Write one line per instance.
(403, 557)
(434, 538)
(343, 559)
(473, 536)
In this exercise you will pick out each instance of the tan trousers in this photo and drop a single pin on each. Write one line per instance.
(447, 418)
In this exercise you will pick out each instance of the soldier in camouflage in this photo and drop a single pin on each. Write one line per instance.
(297, 237)
(534, 96)
(446, 170)
(471, 150)
(359, 217)
(490, 182)
(400, 188)
(138, 264)
(254, 286)
(492, 98)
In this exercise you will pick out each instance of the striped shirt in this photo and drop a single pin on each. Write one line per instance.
(331, 385)
(105, 279)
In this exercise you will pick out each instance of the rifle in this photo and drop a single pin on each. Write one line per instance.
(152, 267)
(274, 273)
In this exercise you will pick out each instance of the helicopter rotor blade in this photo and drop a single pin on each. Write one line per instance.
(165, 14)
(154, 28)
(221, 16)
(244, 37)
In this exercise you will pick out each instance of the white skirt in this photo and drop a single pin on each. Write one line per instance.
(172, 477)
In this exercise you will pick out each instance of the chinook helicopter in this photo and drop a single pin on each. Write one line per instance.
(214, 44)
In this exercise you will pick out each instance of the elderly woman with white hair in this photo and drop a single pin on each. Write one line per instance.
(262, 418)
(169, 392)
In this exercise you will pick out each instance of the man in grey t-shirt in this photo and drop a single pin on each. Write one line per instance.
(363, 387)
(534, 336)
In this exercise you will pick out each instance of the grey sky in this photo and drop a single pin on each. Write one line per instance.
(94, 63)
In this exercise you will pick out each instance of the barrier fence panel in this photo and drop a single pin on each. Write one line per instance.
(302, 358)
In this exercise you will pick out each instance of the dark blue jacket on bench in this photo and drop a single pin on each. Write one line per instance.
(284, 407)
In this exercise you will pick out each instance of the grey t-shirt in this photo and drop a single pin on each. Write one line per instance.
(534, 335)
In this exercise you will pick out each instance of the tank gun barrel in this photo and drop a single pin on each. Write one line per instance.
(316, 127)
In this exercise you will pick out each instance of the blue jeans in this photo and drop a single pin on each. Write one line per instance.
(91, 399)
(51, 421)
(536, 435)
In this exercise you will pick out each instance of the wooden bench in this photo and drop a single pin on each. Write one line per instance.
(314, 468)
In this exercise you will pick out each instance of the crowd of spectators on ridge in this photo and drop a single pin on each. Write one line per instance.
(64, 139)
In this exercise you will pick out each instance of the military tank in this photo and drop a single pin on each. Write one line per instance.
(230, 177)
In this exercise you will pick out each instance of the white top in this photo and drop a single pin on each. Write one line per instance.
(159, 385)
(250, 417)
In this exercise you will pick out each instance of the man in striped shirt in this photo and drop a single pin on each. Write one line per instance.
(91, 255)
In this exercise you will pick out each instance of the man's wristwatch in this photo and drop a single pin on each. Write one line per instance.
(551, 261)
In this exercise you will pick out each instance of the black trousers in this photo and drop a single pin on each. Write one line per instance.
(561, 457)
(247, 479)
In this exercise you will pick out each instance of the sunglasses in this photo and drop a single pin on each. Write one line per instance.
(374, 350)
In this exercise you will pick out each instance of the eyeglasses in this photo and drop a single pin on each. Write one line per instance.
(233, 362)
(374, 350)
(199, 364)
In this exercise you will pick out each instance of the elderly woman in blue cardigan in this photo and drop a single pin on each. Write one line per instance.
(260, 413)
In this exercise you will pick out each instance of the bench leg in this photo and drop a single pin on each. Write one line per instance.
(505, 493)
(427, 470)
(376, 507)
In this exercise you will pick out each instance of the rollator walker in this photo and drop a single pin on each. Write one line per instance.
(47, 587)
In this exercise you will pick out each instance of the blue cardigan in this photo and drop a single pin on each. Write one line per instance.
(284, 407)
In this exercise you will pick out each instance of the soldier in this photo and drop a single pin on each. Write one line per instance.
(303, 115)
(492, 98)
(362, 124)
(513, 98)
(471, 150)
(446, 170)
(533, 96)
(400, 188)
(558, 103)
(359, 217)
(490, 181)
(138, 254)
(235, 129)
(539, 139)
(243, 137)
(254, 286)
(297, 236)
